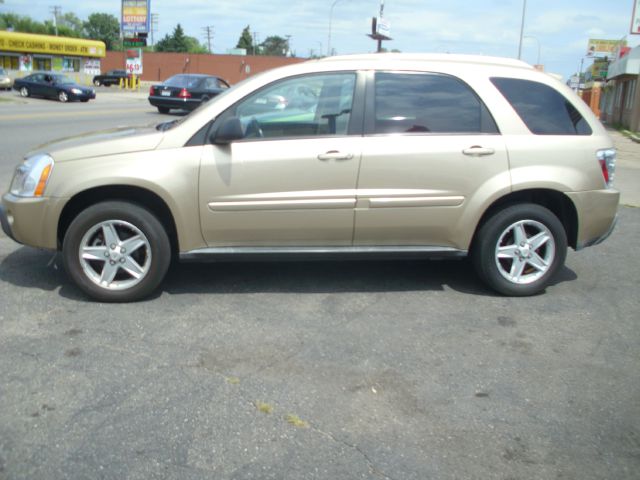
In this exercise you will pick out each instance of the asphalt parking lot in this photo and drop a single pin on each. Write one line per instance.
(318, 370)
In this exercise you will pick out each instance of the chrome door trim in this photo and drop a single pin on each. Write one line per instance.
(311, 203)
(298, 253)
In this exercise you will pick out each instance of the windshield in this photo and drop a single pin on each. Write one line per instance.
(182, 81)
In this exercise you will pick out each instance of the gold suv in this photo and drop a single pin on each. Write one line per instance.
(369, 155)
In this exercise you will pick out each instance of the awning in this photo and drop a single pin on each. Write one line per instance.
(31, 43)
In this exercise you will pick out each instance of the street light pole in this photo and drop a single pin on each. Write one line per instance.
(524, 10)
(538, 42)
(330, 21)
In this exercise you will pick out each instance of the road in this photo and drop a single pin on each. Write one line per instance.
(327, 370)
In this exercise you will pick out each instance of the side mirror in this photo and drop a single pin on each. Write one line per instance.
(229, 130)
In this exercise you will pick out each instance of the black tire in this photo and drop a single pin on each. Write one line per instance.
(24, 92)
(537, 263)
(63, 96)
(163, 109)
(130, 222)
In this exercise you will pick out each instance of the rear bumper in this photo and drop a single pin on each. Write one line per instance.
(177, 103)
(597, 215)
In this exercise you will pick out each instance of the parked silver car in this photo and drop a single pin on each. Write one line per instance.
(6, 82)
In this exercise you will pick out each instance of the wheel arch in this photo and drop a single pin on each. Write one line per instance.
(138, 195)
(557, 202)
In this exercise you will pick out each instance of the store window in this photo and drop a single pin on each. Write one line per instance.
(42, 63)
(9, 62)
(631, 93)
(71, 65)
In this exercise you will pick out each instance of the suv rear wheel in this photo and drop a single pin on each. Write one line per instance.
(116, 251)
(520, 249)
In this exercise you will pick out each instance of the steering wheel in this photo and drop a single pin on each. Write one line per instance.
(253, 129)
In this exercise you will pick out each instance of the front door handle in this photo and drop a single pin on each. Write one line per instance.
(335, 155)
(478, 151)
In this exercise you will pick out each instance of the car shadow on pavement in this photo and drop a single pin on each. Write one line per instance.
(31, 268)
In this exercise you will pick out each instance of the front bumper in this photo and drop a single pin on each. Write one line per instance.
(82, 96)
(4, 222)
(31, 221)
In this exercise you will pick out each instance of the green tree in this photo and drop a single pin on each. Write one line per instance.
(194, 46)
(246, 40)
(71, 24)
(105, 27)
(176, 42)
(275, 46)
(21, 23)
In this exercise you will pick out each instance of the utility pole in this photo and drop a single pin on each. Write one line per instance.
(330, 22)
(208, 32)
(56, 10)
(255, 42)
(524, 11)
(288, 52)
(153, 26)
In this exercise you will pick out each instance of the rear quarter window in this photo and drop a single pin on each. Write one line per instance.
(544, 110)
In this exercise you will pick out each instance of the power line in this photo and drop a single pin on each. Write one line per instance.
(208, 31)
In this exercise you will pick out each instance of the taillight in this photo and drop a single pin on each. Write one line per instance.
(150, 90)
(607, 159)
(184, 93)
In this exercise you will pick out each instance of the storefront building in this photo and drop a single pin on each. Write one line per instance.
(26, 52)
(620, 104)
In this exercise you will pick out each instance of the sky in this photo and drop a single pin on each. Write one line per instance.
(556, 29)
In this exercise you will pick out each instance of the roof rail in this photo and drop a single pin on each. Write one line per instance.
(432, 57)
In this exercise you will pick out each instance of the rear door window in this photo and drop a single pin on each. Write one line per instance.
(407, 102)
(544, 110)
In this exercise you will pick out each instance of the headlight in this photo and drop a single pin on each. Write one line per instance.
(77, 91)
(32, 176)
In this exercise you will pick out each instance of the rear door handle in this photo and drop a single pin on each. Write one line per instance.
(335, 155)
(478, 151)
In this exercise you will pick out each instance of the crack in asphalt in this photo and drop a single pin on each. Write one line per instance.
(375, 470)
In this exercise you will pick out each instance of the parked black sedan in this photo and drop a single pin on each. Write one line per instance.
(52, 85)
(185, 91)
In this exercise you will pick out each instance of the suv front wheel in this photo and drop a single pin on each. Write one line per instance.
(116, 251)
(520, 249)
